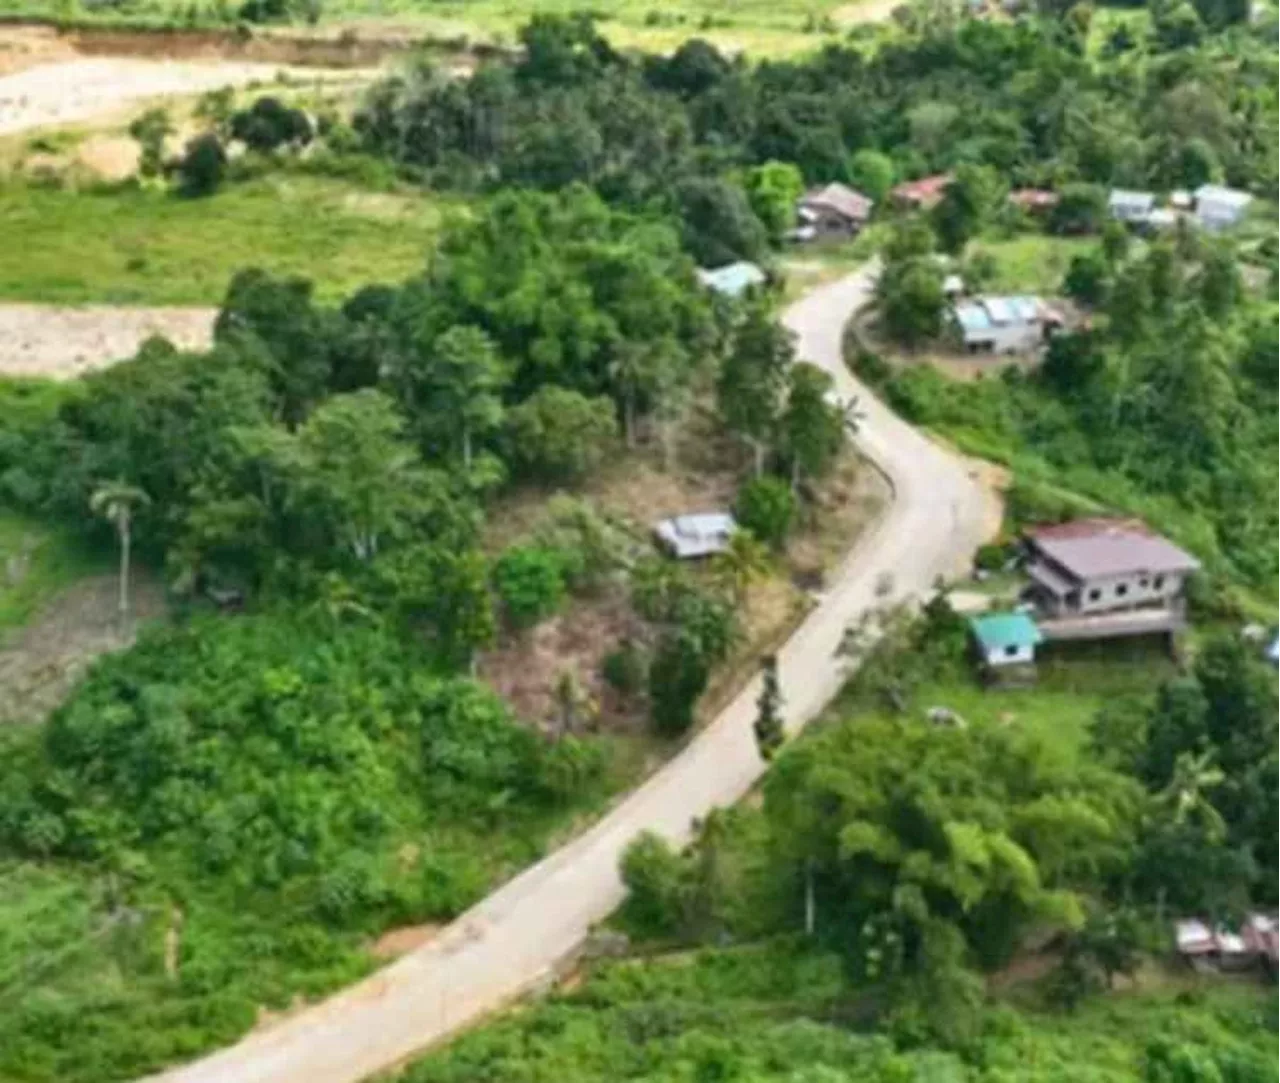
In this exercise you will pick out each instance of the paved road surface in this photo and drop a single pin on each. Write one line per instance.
(511, 942)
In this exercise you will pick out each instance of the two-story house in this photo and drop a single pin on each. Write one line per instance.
(1102, 577)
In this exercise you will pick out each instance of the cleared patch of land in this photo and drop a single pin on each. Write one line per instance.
(66, 91)
(139, 247)
(62, 343)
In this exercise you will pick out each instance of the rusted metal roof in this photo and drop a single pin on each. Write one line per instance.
(1094, 548)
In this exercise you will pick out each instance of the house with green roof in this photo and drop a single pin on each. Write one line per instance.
(1006, 639)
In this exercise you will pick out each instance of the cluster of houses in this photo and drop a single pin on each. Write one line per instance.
(1211, 207)
(1208, 948)
(1087, 579)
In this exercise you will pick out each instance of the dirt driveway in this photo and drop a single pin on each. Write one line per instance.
(59, 342)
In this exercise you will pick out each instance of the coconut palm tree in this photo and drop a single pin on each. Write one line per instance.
(116, 501)
(1193, 777)
(743, 561)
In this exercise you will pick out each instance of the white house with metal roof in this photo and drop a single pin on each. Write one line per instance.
(1129, 206)
(1003, 324)
(705, 534)
(1218, 207)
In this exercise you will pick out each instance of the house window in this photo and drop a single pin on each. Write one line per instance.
(1144, 582)
(1158, 582)
(1011, 651)
(1122, 589)
(1095, 594)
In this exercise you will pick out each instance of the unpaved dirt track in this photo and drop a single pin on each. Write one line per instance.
(511, 942)
(75, 90)
(59, 342)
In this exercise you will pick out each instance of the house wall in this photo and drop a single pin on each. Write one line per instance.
(1217, 215)
(1001, 657)
(1122, 591)
(1006, 338)
(828, 223)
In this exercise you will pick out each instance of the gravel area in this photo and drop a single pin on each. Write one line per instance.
(61, 343)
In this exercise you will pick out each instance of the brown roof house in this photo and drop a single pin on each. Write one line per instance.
(1034, 200)
(1096, 578)
(923, 193)
(833, 211)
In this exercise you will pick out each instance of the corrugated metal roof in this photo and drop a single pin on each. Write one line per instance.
(996, 631)
(698, 535)
(733, 279)
(1224, 196)
(1093, 548)
(841, 199)
(999, 309)
(1138, 201)
(972, 317)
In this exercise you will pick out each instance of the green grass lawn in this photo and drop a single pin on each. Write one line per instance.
(132, 246)
(1032, 262)
(1074, 681)
(36, 561)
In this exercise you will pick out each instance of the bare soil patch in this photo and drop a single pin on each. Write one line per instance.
(397, 942)
(48, 94)
(60, 343)
(43, 660)
(26, 46)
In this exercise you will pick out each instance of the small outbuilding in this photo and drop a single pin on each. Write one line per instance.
(1218, 207)
(688, 537)
(1129, 206)
(732, 280)
(833, 211)
(1005, 639)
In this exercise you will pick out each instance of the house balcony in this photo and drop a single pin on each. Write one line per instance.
(1145, 620)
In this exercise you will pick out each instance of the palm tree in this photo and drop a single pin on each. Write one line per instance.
(743, 561)
(115, 501)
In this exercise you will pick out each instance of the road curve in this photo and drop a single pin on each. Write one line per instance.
(512, 941)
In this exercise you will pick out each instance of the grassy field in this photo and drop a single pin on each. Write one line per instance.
(131, 246)
(1032, 262)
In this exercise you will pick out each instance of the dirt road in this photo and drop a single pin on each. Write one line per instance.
(76, 90)
(60, 343)
(512, 942)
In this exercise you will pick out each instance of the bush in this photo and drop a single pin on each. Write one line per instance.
(269, 124)
(654, 877)
(203, 166)
(766, 507)
(624, 668)
(530, 582)
(991, 557)
(677, 677)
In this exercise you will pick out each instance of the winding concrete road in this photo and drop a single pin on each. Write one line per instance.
(512, 942)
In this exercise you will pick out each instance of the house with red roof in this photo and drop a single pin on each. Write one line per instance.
(1096, 578)
(921, 194)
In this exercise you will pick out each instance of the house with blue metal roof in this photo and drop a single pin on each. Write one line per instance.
(1004, 324)
(1006, 639)
(733, 279)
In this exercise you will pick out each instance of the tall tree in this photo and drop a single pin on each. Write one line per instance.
(116, 502)
(465, 380)
(812, 426)
(752, 378)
